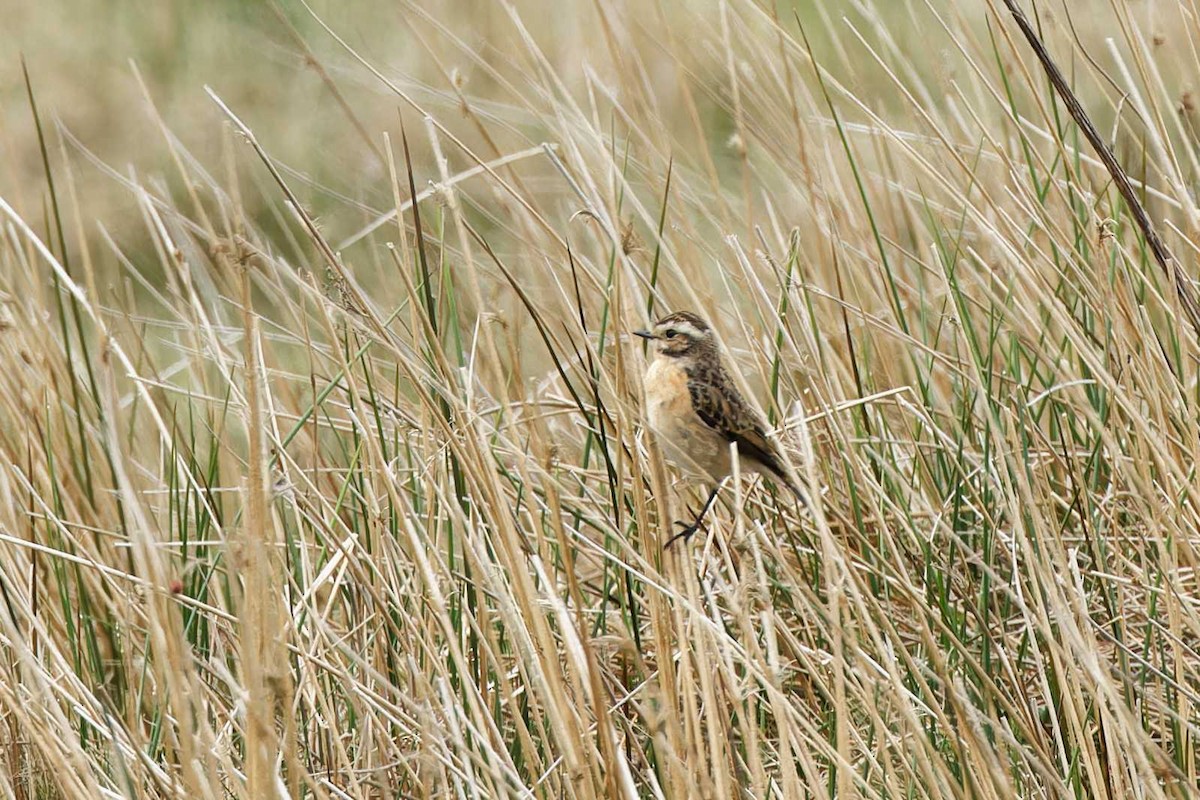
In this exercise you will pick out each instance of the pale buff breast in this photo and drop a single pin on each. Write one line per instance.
(684, 438)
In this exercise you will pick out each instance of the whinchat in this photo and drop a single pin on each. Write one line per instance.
(695, 408)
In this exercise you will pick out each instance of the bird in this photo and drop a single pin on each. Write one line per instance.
(695, 409)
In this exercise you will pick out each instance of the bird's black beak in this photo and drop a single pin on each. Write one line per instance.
(644, 334)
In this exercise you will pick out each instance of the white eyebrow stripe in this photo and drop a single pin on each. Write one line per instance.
(687, 329)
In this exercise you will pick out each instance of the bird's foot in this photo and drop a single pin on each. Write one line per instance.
(686, 529)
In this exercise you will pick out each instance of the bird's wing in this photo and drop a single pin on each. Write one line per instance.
(721, 407)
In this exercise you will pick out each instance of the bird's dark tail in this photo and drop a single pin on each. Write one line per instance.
(778, 474)
(801, 495)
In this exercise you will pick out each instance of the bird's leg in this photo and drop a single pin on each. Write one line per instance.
(688, 529)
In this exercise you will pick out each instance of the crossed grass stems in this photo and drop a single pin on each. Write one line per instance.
(246, 503)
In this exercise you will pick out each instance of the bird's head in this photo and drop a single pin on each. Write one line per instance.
(679, 334)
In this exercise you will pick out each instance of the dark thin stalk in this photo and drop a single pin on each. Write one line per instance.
(1183, 288)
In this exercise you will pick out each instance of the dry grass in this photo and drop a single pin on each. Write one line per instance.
(294, 503)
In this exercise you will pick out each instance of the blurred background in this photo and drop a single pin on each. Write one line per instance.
(274, 65)
(315, 108)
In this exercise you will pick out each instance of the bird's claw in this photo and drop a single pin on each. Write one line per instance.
(686, 529)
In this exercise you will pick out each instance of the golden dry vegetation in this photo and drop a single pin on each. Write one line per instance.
(310, 490)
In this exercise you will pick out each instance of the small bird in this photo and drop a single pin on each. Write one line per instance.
(696, 409)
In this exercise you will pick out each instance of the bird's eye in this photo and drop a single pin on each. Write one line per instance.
(671, 333)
